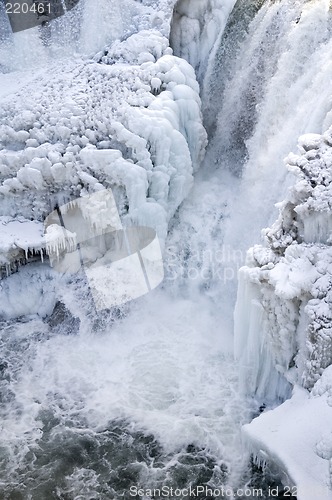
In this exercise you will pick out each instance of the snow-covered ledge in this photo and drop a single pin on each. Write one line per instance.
(20, 238)
(287, 436)
(283, 327)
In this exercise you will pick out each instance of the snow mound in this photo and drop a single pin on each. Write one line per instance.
(144, 46)
(288, 436)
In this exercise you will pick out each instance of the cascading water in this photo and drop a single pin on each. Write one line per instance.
(269, 76)
(280, 88)
(147, 395)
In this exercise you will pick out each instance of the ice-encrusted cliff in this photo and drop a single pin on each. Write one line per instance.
(283, 318)
(128, 119)
(286, 284)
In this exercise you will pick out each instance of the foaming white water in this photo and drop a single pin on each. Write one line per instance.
(163, 369)
(166, 368)
(147, 374)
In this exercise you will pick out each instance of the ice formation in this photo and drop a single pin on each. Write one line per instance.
(284, 309)
(130, 119)
(197, 29)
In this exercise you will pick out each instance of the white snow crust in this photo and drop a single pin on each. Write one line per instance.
(294, 437)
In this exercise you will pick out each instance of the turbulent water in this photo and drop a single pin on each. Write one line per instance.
(147, 397)
(92, 404)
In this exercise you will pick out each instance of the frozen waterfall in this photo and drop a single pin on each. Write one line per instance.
(183, 111)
